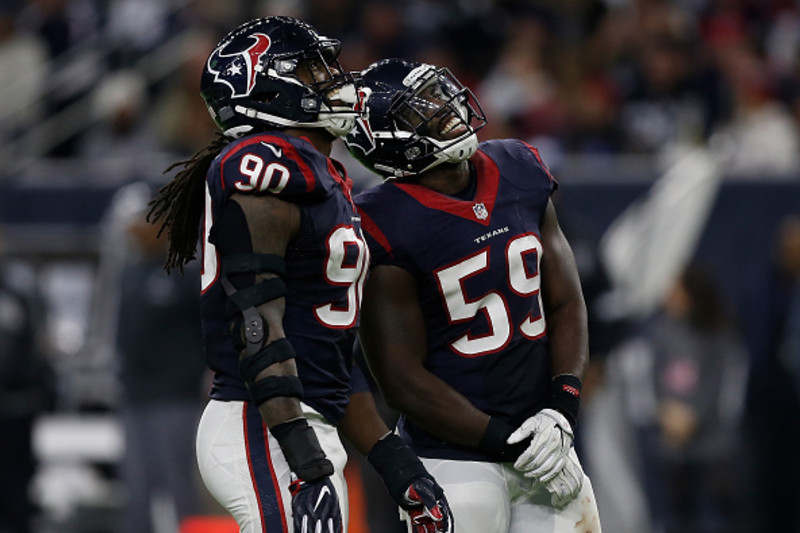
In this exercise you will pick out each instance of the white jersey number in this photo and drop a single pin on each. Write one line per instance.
(273, 177)
(340, 269)
(522, 282)
(210, 270)
(346, 271)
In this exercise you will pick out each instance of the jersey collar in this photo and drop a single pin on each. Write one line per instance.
(478, 209)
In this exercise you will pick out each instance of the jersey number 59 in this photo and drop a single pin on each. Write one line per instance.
(523, 279)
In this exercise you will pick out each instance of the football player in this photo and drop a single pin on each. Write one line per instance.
(284, 261)
(473, 321)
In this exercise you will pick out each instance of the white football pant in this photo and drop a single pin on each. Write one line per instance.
(496, 498)
(243, 466)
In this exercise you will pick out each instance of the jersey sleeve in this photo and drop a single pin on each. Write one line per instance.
(274, 165)
(358, 378)
(522, 163)
(541, 170)
(380, 249)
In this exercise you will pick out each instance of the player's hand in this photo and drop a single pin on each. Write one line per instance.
(566, 484)
(315, 506)
(424, 508)
(421, 500)
(551, 438)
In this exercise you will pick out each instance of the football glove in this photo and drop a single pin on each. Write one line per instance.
(425, 509)
(566, 484)
(315, 506)
(421, 499)
(551, 438)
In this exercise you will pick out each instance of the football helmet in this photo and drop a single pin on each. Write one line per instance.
(417, 116)
(274, 73)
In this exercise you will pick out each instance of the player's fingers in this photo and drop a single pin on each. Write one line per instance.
(519, 434)
(525, 459)
(528, 459)
(559, 490)
(540, 444)
(576, 479)
(546, 450)
(549, 469)
(523, 462)
(435, 512)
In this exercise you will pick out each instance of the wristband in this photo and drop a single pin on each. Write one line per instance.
(565, 396)
(302, 450)
(396, 463)
(494, 442)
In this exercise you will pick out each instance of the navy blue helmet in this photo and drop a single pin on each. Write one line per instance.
(274, 73)
(417, 116)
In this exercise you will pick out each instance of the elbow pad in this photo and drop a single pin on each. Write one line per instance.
(258, 357)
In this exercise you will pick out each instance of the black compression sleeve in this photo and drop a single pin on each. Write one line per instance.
(494, 442)
(565, 396)
(396, 464)
(302, 450)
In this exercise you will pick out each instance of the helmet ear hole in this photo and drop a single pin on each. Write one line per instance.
(267, 97)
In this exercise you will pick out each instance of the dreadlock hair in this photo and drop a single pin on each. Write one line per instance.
(179, 204)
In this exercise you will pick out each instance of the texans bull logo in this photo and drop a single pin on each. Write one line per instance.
(361, 134)
(238, 70)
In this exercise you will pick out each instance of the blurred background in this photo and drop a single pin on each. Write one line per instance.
(673, 128)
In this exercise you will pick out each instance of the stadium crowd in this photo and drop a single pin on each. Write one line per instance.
(587, 77)
(111, 87)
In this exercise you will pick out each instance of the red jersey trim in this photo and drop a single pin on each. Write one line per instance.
(488, 182)
(539, 158)
(368, 225)
(339, 175)
(289, 152)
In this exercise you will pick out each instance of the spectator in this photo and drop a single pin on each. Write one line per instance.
(25, 392)
(136, 27)
(690, 445)
(19, 91)
(520, 92)
(70, 29)
(773, 399)
(180, 119)
(766, 133)
(116, 145)
(789, 347)
(662, 105)
(159, 344)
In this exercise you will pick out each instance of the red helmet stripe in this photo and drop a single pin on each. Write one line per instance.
(253, 55)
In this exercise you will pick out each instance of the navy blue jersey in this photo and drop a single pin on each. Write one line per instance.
(476, 263)
(325, 264)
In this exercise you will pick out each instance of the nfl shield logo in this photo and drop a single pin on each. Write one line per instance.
(480, 211)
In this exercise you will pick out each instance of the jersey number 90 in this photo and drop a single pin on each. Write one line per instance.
(341, 269)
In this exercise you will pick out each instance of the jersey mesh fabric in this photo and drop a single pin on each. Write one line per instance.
(461, 253)
(290, 168)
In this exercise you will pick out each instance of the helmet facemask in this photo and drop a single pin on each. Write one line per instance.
(434, 116)
(332, 91)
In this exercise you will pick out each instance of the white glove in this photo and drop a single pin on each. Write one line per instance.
(551, 439)
(567, 483)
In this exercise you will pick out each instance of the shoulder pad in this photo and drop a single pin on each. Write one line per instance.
(371, 205)
(520, 162)
(276, 164)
